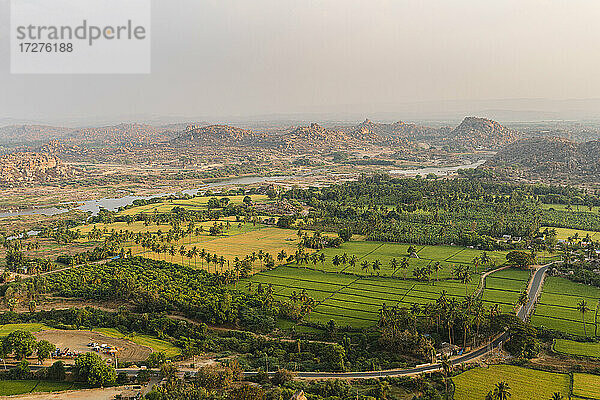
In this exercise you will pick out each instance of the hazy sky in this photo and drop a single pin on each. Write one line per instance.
(222, 58)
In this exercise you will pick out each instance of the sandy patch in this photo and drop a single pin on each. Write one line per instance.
(78, 341)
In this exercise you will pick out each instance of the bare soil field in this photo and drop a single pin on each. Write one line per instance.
(78, 340)
(84, 394)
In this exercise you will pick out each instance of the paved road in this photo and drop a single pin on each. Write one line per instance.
(536, 284)
(534, 289)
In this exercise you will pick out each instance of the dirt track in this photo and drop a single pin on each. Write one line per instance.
(78, 340)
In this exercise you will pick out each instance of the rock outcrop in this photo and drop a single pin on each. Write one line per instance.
(25, 167)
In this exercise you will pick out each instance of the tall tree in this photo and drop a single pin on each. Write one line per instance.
(502, 391)
(583, 308)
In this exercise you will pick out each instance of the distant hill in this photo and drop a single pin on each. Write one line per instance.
(31, 133)
(215, 135)
(397, 133)
(475, 133)
(472, 133)
(58, 147)
(313, 137)
(555, 158)
(133, 133)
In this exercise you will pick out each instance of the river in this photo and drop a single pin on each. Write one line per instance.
(113, 203)
(439, 171)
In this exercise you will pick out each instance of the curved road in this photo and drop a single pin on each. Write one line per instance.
(535, 284)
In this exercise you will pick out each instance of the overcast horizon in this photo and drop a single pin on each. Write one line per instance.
(335, 60)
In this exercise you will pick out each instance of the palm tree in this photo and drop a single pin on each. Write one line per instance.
(411, 250)
(436, 267)
(484, 258)
(415, 310)
(222, 262)
(465, 277)
(335, 260)
(344, 259)
(428, 272)
(315, 259)
(365, 266)
(450, 314)
(202, 253)
(182, 252)
(172, 252)
(494, 310)
(215, 260)
(404, 266)
(281, 256)
(446, 370)
(208, 258)
(189, 254)
(523, 299)
(394, 265)
(194, 253)
(322, 259)
(582, 307)
(476, 263)
(376, 266)
(556, 396)
(502, 391)
(237, 268)
(294, 297)
(352, 261)
(478, 317)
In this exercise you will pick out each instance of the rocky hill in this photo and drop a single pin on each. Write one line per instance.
(472, 133)
(27, 167)
(481, 133)
(212, 135)
(133, 133)
(395, 134)
(60, 148)
(315, 137)
(550, 158)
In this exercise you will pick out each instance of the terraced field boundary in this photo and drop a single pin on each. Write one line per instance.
(526, 384)
(585, 386)
(587, 349)
(355, 300)
(556, 308)
(484, 276)
(363, 256)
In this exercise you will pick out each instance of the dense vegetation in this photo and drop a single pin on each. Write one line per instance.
(461, 211)
(220, 384)
(468, 211)
(571, 219)
(154, 286)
